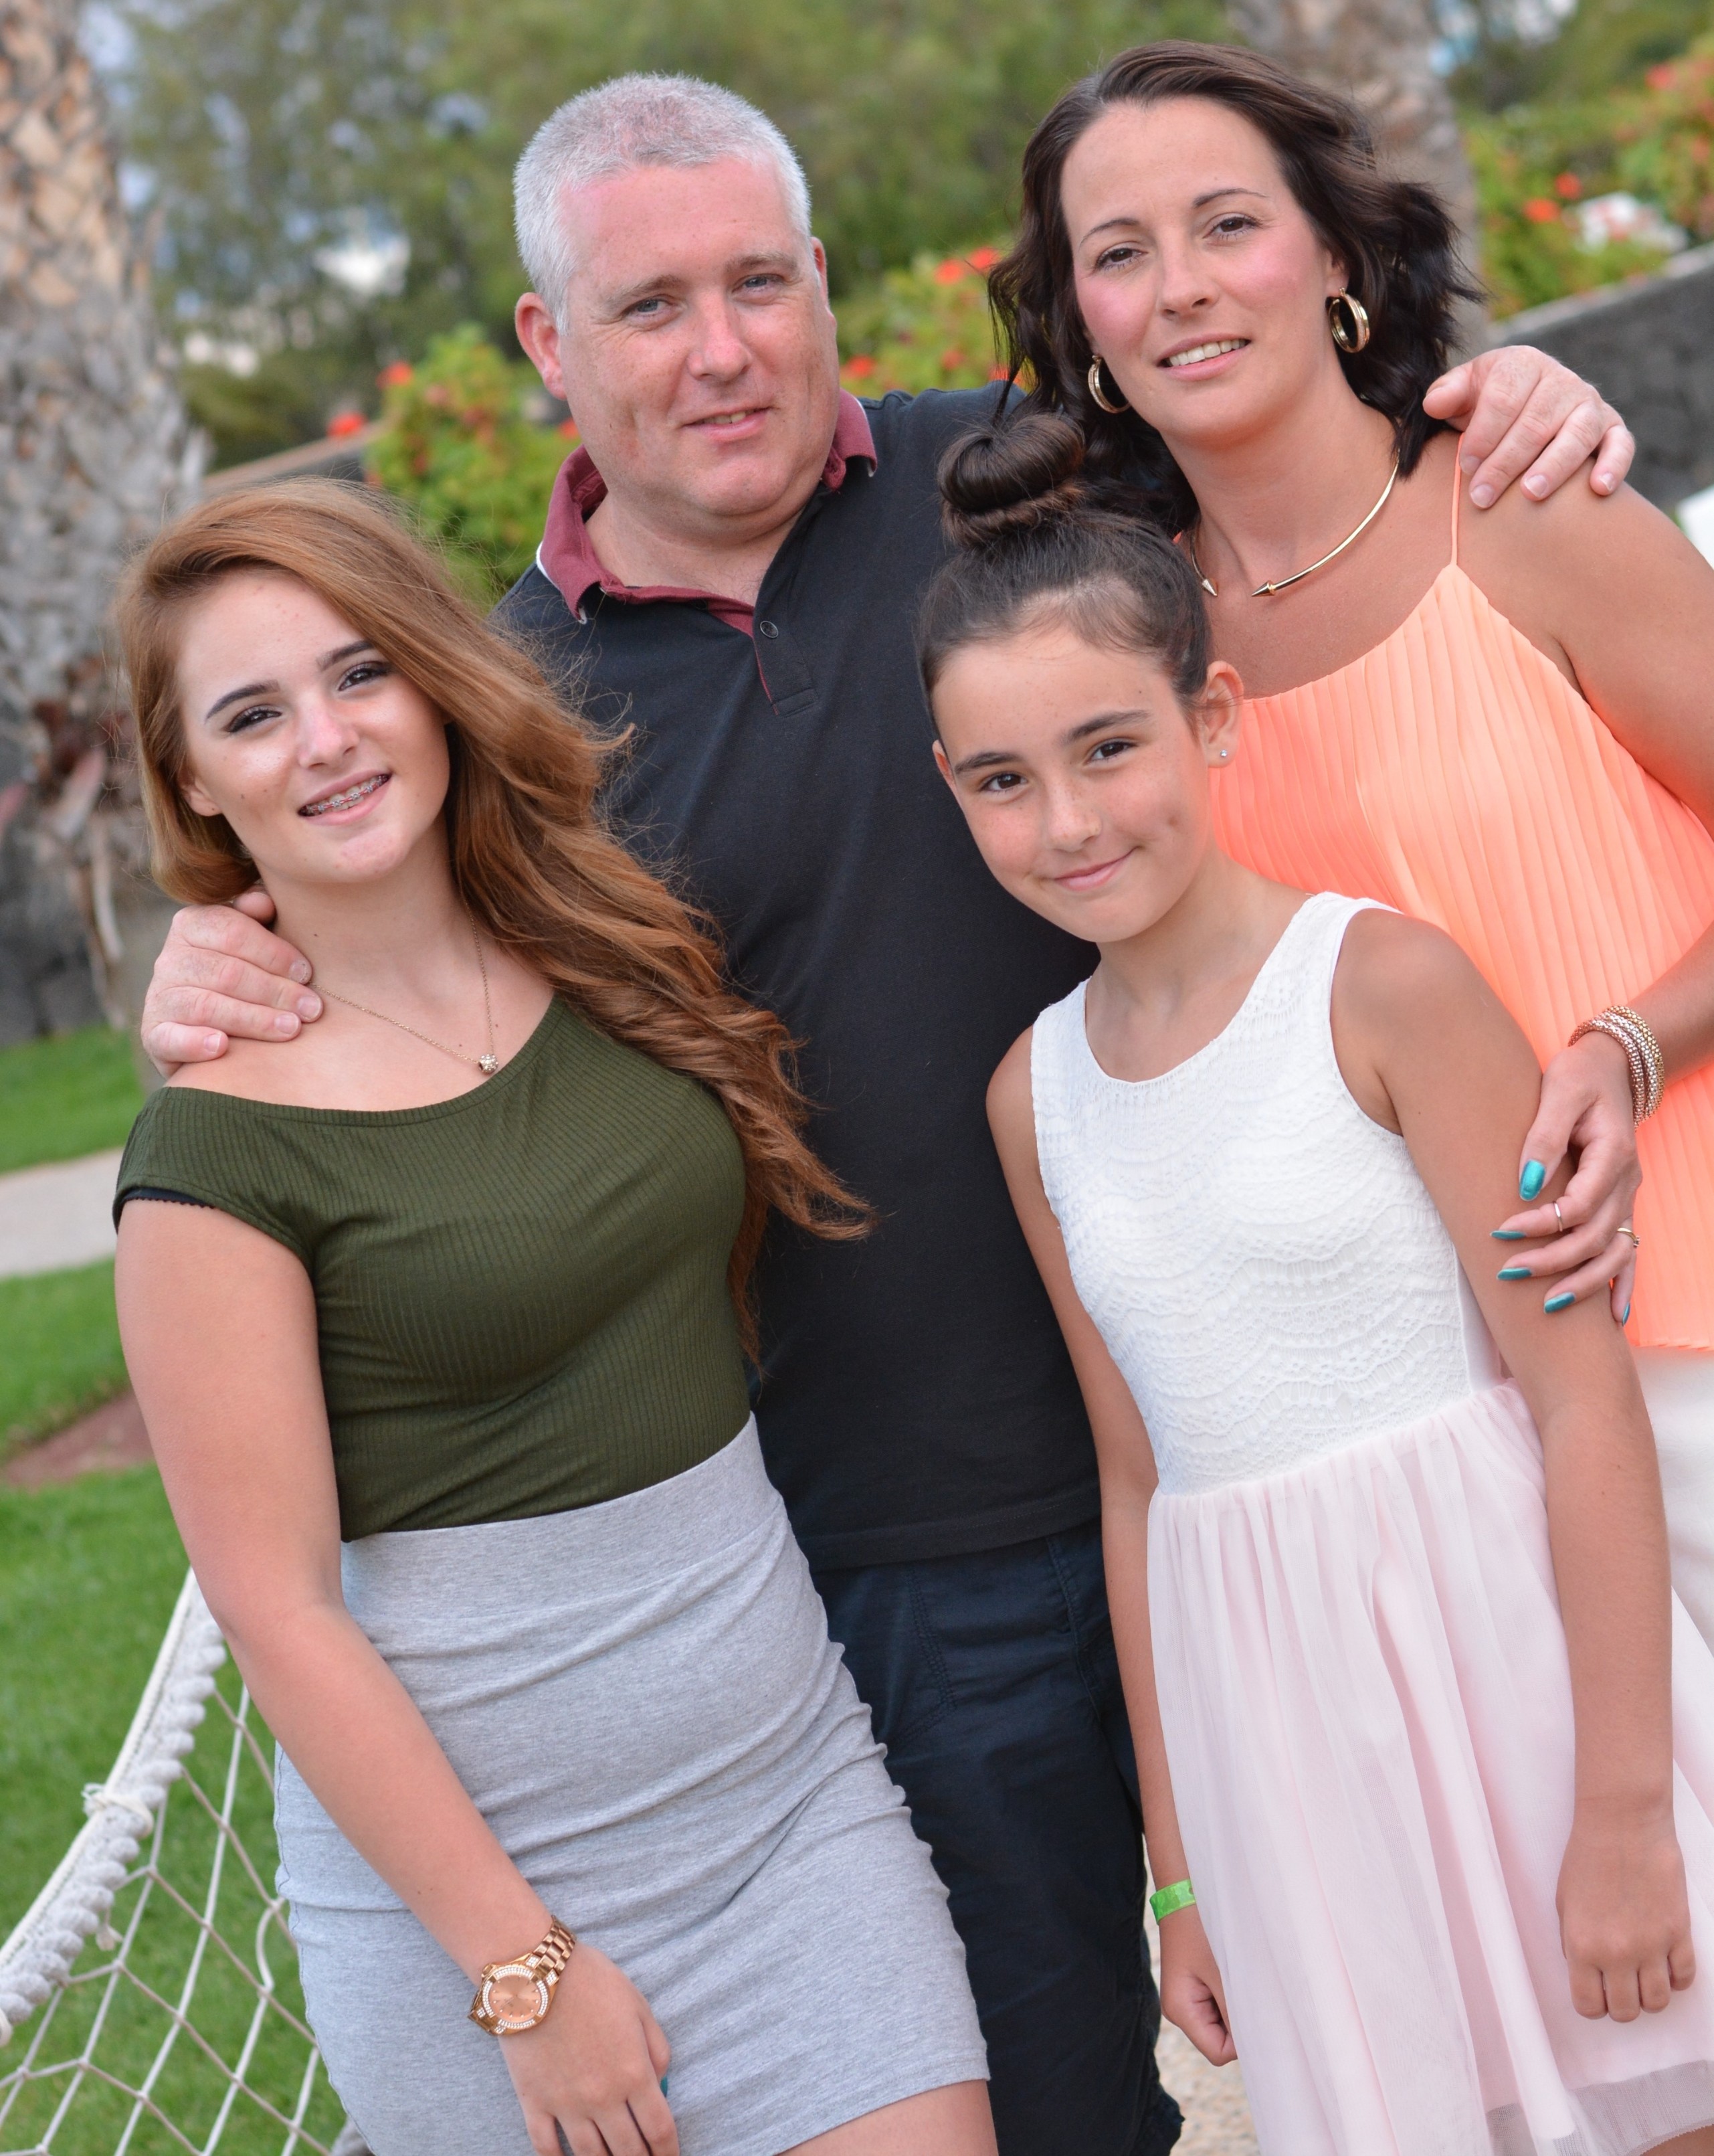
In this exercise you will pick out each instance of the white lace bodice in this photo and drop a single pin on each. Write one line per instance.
(1263, 1261)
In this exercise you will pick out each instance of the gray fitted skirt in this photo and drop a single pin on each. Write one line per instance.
(642, 1698)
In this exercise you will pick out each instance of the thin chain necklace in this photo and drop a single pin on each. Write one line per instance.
(1266, 591)
(487, 1065)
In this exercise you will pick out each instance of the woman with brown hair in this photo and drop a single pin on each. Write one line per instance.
(437, 1324)
(1500, 723)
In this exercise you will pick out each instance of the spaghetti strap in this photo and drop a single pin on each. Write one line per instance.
(1457, 492)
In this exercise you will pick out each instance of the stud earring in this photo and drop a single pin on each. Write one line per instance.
(1350, 330)
(1094, 388)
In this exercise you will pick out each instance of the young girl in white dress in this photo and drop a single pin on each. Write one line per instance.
(1426, 1747)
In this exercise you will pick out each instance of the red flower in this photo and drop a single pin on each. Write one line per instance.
(1661, 78)
(949, 272)
(1539, 210)
(345, 422)
(984, 258)
(568, 427)
(860, 367)
(1568, 187)
(951, 359)
(396, 376)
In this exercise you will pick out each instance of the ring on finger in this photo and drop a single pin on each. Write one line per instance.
(1626, 1229)
(1559, 1217)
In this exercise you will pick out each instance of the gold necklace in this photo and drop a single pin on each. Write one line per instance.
(1266, 591)
(487, 1065)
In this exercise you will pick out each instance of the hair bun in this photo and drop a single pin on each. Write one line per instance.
(1010, 477)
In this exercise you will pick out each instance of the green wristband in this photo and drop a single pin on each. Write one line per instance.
(1180, 1895)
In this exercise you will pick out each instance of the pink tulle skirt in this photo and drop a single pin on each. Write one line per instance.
(1368, 1713)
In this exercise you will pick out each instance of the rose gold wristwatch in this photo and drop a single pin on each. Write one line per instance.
(513, 1996)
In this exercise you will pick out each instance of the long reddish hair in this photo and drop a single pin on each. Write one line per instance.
(532, 857)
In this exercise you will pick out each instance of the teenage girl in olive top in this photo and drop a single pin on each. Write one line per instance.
(436, 1323)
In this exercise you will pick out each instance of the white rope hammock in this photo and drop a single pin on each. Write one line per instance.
(181, 2027)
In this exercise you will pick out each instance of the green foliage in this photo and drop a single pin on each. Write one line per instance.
(1601, 44)
(1532, 166)
(64, 1096)
(88, 1571)
(1652, 138)
(1666, 136)
(60, 1352)
(924, 328)
(269, 130)
(289, 399)
(458, 444)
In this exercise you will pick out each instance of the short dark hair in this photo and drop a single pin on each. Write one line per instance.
(1394, 237)
(1035, 540)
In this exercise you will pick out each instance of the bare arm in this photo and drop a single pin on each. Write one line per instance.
(218, 1324)
(1522, 411)
(1618, 598)
(1428, 1049)
(1191, 1992)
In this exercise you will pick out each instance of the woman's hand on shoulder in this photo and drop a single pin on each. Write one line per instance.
(1193, 1997)
(592, 2069)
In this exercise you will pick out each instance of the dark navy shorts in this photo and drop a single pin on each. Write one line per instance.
(995, 1688)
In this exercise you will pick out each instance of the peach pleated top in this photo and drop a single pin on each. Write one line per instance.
(1452, 772)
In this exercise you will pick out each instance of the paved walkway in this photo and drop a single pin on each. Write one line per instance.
(58, 1216)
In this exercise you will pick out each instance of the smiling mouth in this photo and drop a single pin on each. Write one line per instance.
(1213, 349)
(1096, 872)
(350, 798)
(729, 419)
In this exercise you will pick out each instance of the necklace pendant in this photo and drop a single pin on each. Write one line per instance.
(488, 1065)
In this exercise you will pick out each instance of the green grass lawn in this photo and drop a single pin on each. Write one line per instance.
(75, 1093)
(88, 1571)
(89, 1574)
(58, 1351)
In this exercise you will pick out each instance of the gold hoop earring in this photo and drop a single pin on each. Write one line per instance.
(1094, 388)
(1351, 332)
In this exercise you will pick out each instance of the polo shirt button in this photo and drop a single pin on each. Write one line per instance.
(767, 629)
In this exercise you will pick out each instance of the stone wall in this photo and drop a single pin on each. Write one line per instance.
(1650, 348)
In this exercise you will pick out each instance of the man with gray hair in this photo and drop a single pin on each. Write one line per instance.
(731, 563)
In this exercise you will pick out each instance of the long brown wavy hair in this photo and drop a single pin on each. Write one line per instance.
(532, 858)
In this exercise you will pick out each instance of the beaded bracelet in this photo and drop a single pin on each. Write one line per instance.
(1178, 1895)
(1642, 1055)
(1651, 1053)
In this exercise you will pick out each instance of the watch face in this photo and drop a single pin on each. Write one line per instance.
(515, 1997)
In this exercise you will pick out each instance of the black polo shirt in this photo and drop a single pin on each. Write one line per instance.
(916, 1399)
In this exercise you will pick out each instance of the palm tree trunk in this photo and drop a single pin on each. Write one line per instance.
(95, 447)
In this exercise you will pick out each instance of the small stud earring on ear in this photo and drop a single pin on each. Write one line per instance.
(1224, 753)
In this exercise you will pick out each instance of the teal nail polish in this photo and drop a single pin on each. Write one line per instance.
(1625, 1320)
(1559, 1302)
(1514, 1272)
(1529, 1184)
(662, 2084)
(1508, 1234)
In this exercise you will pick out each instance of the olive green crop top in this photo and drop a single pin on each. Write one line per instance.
(522, 1292)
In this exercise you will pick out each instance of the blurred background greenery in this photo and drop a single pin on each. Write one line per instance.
(329, 181)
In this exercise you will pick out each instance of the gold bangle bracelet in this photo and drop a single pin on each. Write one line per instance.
(1616, 1030)
(1652, 1056)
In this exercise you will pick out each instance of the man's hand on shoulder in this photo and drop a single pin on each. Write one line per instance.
(1524, 416)
(223, 974)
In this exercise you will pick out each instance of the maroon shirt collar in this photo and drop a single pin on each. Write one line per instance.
(568, 559)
